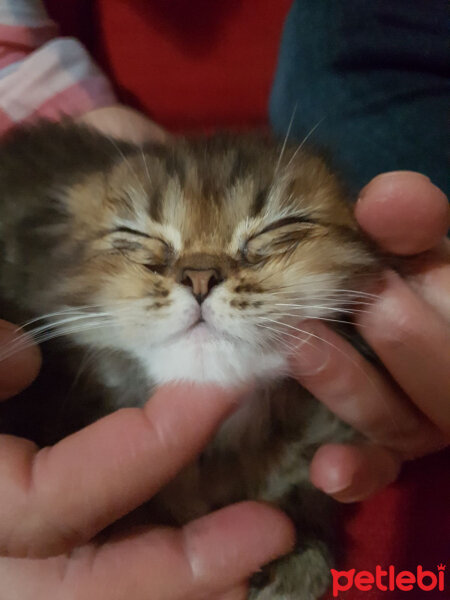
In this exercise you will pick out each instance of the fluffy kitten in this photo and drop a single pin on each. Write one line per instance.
(194, 261)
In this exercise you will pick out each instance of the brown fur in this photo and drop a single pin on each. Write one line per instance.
(124, 229)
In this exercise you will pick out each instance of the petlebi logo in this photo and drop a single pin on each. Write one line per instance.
(388, 579)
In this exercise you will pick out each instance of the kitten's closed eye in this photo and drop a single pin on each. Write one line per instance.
(141, 248)
(278, 237)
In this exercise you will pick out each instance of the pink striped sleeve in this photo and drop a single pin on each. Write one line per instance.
(42, 75)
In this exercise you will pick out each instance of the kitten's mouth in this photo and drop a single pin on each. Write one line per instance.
(200, 332)
(197, 323)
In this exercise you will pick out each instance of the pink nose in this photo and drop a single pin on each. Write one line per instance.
(201, 281)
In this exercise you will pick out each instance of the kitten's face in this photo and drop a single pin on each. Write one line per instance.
(204, 257)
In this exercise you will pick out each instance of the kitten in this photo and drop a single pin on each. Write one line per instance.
(195, 261)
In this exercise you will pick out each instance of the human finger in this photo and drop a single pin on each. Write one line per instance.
(428, 274)
(237, 593)
(17, 369)
(125, 123)
(209, 555)
(351, 473)
(413, 342)
(403, 212)
(359, 393)
(56, 498)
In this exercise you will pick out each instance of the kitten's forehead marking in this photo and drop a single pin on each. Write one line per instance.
(138, 204)
(211, 203)
(172, 235)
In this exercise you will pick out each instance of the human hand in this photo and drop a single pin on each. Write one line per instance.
(406, 413)
(125, 123)
(55, 500)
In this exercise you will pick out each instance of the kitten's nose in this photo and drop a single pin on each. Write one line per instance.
(201, 281)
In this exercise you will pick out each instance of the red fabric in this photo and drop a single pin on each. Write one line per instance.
(188, 64)
(210, 63)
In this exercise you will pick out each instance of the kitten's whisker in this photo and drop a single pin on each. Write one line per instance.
(283, 147)
(284, 333)
(32, 337)
(145, 165)
(308, 333)
(338, 310)
(338, 302)
(52, 325)
(338, 291)
(71, 310)
(305, 139)
(278, 337)
(345, 354)
(326, 295)
(310, 317)
(357, 293)
(54, 314)
(14, 347)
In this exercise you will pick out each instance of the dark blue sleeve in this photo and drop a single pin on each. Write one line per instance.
(377, 73)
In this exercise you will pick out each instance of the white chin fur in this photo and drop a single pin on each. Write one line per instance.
(204, 358)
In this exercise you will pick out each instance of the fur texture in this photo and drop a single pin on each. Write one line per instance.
(195, 261)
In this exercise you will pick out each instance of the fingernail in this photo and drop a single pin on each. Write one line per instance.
(312, 353)
(336, 486)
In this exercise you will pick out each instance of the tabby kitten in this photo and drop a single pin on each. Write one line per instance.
(195, 261)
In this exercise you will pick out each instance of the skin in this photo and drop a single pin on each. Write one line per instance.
(53, 505)
(54, 500)
(406, 413)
